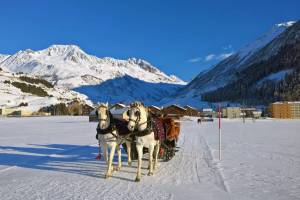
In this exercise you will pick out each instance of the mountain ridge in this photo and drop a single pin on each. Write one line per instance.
(70, 66)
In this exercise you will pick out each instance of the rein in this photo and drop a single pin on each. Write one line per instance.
(110, 130)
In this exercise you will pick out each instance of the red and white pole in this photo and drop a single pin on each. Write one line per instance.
(220, 138)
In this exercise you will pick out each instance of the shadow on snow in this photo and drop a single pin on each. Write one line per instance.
(78, 159)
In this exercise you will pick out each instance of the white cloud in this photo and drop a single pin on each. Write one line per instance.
(227, 51)
(228, 47)
(224, 55)
(194, 60)
(210, 57)
(217, 57)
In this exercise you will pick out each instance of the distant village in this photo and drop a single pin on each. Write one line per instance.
(280, 110)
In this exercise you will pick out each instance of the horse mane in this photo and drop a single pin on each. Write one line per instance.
(105, 105)
(136, 104)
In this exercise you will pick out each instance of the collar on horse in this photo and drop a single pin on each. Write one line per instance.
(147, 130)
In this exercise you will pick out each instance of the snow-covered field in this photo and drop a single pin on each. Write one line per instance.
(53, 158)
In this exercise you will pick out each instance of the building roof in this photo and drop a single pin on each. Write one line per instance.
(289, 102)
(156, 107)
(233, 107)
(176, 106)
(207, 109)
(120, 104)
(248, 108)
(118, 111)
(190, 107)
(292, 102)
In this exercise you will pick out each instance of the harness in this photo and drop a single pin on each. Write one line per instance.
(148, 130)
(110, 129)
(113, 126)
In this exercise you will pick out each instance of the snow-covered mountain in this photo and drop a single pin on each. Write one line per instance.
(69, 66)
(3, 57)
(113, 91)
(225, 71)
(12, 94)
(241, 66)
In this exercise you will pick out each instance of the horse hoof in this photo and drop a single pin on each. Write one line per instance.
(118, 168)
(108, 175)
(150, 173)
(129, 164)
(137, 179)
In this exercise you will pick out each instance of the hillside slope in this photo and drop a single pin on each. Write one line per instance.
(249, 73)
(17, 89)
(275, 78)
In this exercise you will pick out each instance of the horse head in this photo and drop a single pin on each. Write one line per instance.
(103, 116)
(137, 114)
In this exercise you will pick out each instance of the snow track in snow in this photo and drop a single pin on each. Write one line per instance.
(193, 164)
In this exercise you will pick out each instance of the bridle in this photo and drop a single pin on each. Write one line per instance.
(107, 114)
(138, 117)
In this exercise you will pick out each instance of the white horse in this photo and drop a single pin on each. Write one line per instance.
(138, 122)
(109, 139)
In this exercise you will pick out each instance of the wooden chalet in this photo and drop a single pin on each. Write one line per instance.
(190, 111)
(79, 108)
(155, 110)
(174, 111)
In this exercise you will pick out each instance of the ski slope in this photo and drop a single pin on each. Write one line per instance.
(53, 158)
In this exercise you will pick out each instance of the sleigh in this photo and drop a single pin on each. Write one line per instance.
(167, 130)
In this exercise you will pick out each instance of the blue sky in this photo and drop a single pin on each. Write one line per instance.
(179, 37)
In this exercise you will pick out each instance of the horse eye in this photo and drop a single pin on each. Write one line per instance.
(137, 113)
(127, 112)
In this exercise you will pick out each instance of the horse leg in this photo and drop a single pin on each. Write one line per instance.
(157, 146)
(151, 149)
(139, 148)
(111, 156)
(105, 152)
(128, 144)
(98, 157)
(119, 158)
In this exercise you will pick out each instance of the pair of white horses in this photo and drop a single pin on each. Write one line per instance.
(138, 122)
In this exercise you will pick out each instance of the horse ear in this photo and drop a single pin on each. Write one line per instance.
(106, 104)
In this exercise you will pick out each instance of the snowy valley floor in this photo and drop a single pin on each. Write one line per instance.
(53, 158)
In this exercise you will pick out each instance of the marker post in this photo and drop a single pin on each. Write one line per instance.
(220, 137)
